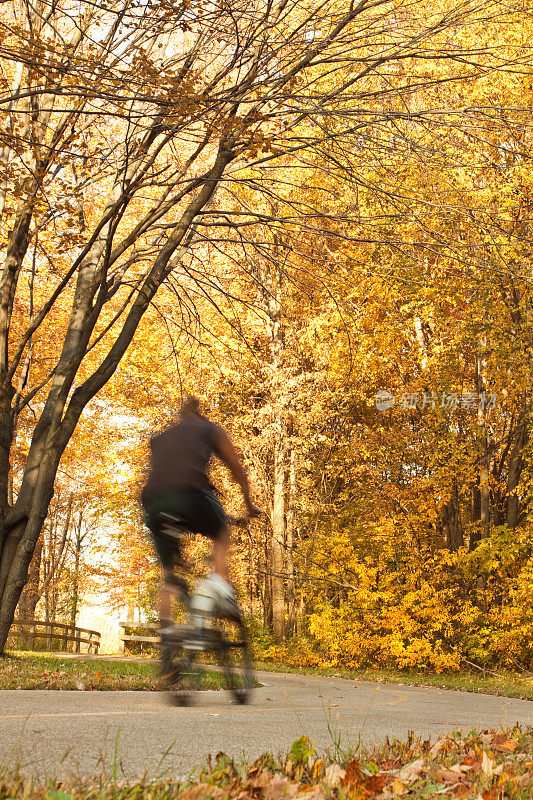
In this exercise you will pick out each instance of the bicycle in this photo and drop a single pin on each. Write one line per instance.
(206, 632)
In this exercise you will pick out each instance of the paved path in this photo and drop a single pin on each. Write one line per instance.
(61, 733)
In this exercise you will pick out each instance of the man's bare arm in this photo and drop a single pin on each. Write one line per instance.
(229, 456)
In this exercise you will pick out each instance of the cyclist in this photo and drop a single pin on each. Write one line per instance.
(178, 485)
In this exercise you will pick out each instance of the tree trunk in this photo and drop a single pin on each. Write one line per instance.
(515, 470)
(481, 492)
(76, 580)
(267, 586)
(278, 535)
(21, 523)
(30, 596)
(452, 521)
(290, 541)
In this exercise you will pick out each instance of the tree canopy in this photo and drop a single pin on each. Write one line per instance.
(285, 209)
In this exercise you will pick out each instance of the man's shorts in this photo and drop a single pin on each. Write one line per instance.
(200, 510)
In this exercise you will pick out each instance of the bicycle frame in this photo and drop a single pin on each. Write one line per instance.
(180, 647)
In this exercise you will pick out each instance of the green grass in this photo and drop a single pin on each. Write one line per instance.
(506, 684)
(38, 671)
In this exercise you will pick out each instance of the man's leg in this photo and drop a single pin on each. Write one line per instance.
(168, 588)
(165, 604)
(221, 548)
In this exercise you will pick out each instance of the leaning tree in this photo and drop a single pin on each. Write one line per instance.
(125, 127)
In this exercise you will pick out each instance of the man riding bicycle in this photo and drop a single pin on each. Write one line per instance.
(178, 487)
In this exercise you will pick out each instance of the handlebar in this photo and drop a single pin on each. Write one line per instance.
(238, 522)
(244, 520)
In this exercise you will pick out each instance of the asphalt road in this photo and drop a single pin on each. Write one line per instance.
(61, 733)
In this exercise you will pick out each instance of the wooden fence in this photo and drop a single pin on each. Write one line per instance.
(138, 642)
(33, 634)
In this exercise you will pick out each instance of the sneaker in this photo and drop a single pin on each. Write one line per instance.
(227, 605)
(214, 596)
(203, 603)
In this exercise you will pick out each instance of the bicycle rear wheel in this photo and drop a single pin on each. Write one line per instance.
(235, 658)
(181, 676)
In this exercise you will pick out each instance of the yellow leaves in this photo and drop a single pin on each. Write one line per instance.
(432, 614)
(411, 772)
(317, 769)
(503, 744)
(488, 766)
(334, 774)
(398, 788)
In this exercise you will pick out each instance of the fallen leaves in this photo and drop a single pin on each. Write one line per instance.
(457, 767)
(334, 775)
(439, 745)
(488, 766)
(203, 791)
(411, 772)
(45, 671)
(492, 765)
(279, 788)
(502, 743)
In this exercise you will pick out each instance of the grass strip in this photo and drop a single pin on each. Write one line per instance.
(37, 671)
(30, 670)
(504, 684)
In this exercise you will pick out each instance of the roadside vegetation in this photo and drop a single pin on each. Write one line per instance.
(506, 684)
(40, 671)
(481, 765)
(36, 671)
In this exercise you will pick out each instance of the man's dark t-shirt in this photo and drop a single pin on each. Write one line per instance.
(180, 456)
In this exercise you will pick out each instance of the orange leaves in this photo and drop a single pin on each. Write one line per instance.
(204, 791)
(375, 783)
(359, 784)
(411, 770)
(501, 743)
(353, 774)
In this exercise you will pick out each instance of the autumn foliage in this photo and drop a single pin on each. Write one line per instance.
(321, 225)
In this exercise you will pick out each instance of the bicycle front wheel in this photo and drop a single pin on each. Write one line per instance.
(235, 658)
(181, 676)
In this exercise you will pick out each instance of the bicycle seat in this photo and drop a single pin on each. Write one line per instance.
(174, 528)
(174, 522)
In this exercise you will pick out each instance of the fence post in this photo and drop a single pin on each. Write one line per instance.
(32, 636)
(64, 642)
(48, 630)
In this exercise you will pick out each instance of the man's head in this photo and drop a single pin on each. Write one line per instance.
(190, 405)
